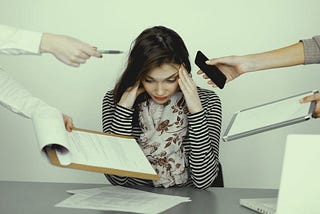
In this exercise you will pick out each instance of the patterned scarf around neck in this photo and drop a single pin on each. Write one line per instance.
(164, 127)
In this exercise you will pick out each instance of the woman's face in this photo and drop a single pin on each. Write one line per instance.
(162, 82)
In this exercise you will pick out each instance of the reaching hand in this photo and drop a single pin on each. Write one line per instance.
(68, 122)
(130, 95)
(68, 50)
(231, 67)
(189, 90)
(313, 97)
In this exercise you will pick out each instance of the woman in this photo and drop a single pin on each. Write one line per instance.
(176, 123)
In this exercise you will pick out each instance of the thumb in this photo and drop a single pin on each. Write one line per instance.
(211, 62)
(309, 98)
(92, 51)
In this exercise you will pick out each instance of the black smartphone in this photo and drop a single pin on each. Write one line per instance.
(211, 71)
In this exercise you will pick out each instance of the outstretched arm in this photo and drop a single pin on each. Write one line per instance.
(69, 50)
(234, 66)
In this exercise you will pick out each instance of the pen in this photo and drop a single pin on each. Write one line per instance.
(109, 51)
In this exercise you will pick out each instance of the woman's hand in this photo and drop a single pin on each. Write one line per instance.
(231, 66)
(314, 97)
(130, 95)
(189, 90)
(68, 50)
(68, 122)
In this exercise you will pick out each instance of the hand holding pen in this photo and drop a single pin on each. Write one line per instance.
(68, 50)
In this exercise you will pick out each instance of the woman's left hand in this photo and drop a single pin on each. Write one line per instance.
(189, 90)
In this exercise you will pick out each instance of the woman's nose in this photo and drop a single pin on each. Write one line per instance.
(159, 89)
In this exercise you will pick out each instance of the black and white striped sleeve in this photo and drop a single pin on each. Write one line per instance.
(203, 140)
(116, 119)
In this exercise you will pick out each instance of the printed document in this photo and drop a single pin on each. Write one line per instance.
(118, 198)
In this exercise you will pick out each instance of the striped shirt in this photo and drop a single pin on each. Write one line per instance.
(201, 145)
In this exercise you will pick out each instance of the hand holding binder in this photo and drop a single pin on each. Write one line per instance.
(90, 150)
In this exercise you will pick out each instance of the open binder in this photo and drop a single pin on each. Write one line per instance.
(89, 150)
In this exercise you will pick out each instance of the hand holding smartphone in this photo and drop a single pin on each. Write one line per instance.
(211, 71)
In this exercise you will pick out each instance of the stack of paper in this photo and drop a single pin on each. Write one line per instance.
(117, 198)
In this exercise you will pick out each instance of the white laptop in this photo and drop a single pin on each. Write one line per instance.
(299, 191)
(260, 205)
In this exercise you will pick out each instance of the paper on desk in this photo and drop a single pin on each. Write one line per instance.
(119, 198)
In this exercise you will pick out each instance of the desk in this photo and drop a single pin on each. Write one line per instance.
(40, 198)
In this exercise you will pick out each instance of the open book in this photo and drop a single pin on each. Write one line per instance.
(89, 150)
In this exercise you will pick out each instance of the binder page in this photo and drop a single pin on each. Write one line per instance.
(107, 151)
(49, 126)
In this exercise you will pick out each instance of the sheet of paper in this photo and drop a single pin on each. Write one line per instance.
(119, 198)
(108, 151)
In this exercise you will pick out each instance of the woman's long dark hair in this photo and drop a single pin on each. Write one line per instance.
(152, 48)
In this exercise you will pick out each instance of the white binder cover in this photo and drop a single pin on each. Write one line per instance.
(272, 115)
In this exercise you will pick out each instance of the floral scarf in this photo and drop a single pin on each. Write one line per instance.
(164, 127)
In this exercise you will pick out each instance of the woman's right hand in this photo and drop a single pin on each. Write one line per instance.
(130, 95)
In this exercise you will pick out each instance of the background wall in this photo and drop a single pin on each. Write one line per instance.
(218, 28)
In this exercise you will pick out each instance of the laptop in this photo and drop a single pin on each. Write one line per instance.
(299, 190)
(260, 205)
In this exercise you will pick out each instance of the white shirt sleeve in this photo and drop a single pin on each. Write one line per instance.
(12, 95)
(14, 41)
(17, 99)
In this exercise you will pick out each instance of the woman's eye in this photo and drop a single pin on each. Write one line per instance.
(172, 80)
(148, 80)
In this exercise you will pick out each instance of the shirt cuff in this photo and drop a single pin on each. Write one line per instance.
(311, 50)
(30, 41)
(16, 41)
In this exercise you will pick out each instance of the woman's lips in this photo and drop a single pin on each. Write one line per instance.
(160, 98)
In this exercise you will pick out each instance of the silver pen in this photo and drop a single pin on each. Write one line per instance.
(109, 51)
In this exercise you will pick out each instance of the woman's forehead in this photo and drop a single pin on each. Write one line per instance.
(164, 71)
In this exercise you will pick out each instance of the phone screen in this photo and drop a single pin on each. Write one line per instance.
(211, 71)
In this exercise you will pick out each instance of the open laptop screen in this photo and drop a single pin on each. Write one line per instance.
(299, 185)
